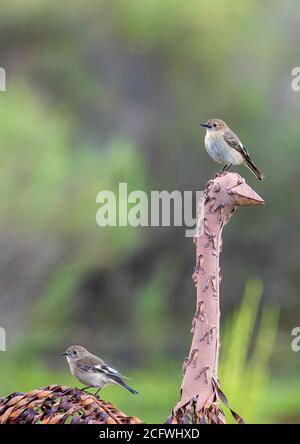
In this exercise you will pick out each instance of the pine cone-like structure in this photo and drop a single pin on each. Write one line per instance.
(56, 404)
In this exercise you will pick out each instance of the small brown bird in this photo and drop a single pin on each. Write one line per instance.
(224, 146)
(92, 371)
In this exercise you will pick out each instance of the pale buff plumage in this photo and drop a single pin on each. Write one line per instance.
(224, 146)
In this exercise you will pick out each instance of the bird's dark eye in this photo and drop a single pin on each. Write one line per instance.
(75, 352)
(215, 125)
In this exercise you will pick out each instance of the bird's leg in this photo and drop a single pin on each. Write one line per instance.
(222, 170)
(85, 388)
(229, 166)
(98, 391)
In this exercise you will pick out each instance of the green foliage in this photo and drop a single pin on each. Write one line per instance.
(244, 368)
(151, 311)
(48, 190)
(48, 186)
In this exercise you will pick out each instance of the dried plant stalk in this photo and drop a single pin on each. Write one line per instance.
(200, 389)
(58, 404)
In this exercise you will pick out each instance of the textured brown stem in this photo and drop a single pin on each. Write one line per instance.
(200, 390)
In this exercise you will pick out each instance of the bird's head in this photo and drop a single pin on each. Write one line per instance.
(214, 125)
(75, 352)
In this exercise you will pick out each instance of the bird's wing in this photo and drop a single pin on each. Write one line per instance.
(90, 364)
(232, 139)
(96, 365)
(112, 371)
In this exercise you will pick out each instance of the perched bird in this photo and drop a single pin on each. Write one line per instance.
(224, 146)
(91, 370)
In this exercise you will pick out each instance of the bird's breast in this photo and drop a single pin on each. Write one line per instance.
(94, 379)
(220, 151)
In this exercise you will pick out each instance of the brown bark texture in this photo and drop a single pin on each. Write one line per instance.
(200, 389)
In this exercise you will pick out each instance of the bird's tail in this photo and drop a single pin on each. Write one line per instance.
(119, 380)
(254, 169)
(127, 387)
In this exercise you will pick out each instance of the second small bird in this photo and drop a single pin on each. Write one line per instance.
(92, 371)
(224, 146)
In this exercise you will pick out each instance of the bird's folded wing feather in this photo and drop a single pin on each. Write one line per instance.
(112, 371)
(232, 139)
(96, 365)
(90, 364)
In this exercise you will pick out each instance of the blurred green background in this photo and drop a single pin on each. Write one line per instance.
(102, 92)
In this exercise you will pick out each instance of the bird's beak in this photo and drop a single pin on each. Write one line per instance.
(205, 125)
(64, 354)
